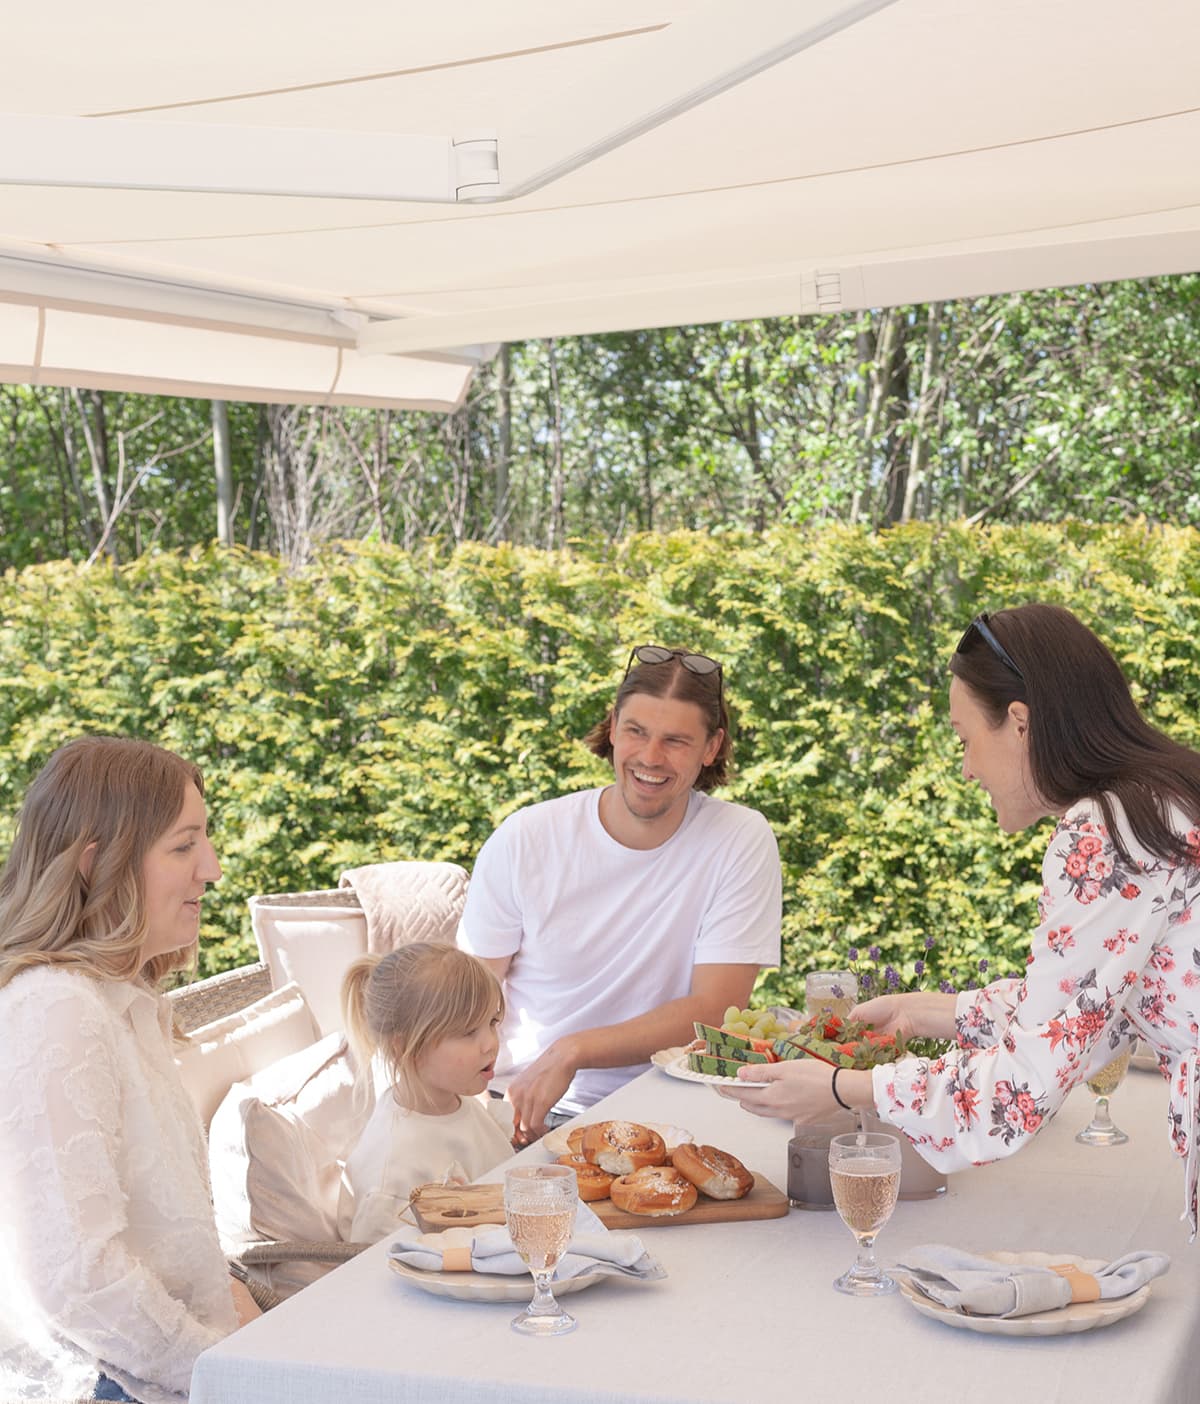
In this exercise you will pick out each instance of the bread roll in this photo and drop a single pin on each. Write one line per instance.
(620, 1147)
(714, 1172)
(656, 1191)
(593, 1182)
(575, 1140)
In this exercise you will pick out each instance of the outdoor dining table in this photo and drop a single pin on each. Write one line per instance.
(747, 1312)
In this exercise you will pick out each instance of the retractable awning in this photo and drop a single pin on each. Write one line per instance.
(354, 204)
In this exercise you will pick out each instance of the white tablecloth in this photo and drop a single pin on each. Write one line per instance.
(747, 1312)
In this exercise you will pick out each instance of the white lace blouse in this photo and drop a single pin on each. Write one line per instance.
(109, 1257)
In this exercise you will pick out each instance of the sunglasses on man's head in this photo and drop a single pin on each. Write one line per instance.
(979, 625)
(698, 663)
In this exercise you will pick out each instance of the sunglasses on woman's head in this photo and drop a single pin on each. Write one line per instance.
(698, 663)
(979, 625)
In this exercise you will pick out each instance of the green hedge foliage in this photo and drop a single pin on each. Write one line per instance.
(382, 705)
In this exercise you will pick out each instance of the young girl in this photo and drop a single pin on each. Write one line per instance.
(112, 1279)
(433, 1013)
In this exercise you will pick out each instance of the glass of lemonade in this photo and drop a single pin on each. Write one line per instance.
(1102, 1130)
(829, 992)
(539, 1208)
(864, 1174)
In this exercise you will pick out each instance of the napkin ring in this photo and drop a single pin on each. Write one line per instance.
(1084, 1287)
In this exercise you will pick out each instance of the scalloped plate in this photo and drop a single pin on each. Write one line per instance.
(1079, 1316)
(480, 1286)
(678, 1067)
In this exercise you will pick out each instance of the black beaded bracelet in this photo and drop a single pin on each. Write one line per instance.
(833, 1086)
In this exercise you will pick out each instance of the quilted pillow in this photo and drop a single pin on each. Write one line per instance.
(276, 1149)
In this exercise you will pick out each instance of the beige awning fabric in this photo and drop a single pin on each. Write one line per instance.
(458, 176)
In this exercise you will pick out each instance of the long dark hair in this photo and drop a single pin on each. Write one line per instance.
(672, 679)
(1087, 739)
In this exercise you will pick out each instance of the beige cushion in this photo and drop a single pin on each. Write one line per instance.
(310, 938)
(276, 1150)
(234, 1048)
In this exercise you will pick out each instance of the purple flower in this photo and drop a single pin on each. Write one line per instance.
(891, 977)
(836, 991)
(919, 968)
(946, 987)
(873, 952)
(929, 943)
(853, 952)
(982, 966)
(866, 980)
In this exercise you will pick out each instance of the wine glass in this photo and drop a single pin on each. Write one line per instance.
(1101, 1130)
(864, 1173)
(539, 1208)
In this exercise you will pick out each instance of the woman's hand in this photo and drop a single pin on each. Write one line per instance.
(921, 1014)
(888, 1014)
(243, 1303)
(799, 1090)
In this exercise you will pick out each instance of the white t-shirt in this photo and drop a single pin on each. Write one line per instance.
(400, 1150)
(599, 933)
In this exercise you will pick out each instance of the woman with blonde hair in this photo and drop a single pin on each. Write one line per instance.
(431, 1013)
(113, 1278)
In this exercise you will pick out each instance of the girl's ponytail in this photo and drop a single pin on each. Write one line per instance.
(363, 1039)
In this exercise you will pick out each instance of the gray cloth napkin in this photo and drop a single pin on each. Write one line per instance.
(593, 1249)
(981, 1287)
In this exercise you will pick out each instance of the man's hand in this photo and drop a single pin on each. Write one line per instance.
(534, 1091)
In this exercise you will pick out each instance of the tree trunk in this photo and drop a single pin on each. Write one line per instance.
(223, 470)
(500, 508)
(558, 490)
(95, 436)
(919, 449)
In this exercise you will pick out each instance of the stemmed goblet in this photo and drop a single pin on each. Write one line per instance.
(864, 1173)
(1102, 1130)
(539, 1208)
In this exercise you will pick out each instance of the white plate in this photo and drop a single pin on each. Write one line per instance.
(1079, 1316)
(679, 1068)
(556, 1141)
(666, 1056)
(480, 1286)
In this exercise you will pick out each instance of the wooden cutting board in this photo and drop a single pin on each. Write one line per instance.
(438, 1207)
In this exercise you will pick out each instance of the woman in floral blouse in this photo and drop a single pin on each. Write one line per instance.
(1049, 730)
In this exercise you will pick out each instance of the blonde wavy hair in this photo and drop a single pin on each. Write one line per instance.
(119, 795)
(401, 1003)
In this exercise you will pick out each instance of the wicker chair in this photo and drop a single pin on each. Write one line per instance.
(194, 1006)
(200, 1003)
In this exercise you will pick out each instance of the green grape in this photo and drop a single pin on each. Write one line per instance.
(737, 1027)
(747, 1016)
(731, 1015)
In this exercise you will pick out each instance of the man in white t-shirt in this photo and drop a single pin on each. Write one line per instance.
(617, 916)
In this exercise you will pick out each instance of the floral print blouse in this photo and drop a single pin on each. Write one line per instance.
(1115, 957)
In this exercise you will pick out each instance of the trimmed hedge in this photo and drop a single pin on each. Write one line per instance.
(388, 705)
